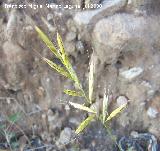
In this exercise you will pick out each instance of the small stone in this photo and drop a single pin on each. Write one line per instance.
(134, 134)
(150, 92)
(80, 46)
(70, 36)
(43, 116)
(58, 14)
(74, 121)
(29, 29)
(51, 28)
(146, 84)
(71, 26)
(51, 116)
(56, 124)
(152, 112)
(49, 17)
(70, 47)
(121, 100)
(49, 113)
(131, 73)
(65, 136)
(67, 107)
(44, 135)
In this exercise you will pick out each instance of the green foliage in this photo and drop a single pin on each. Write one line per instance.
(82, 107)
(73, 93)
(14, 117)
(85, 123)
(69, 73)
(47, 42)
(8, 133)
(116, 111)
(105, 107)
(58, 68)
(91, 80)
(66, 62)
(2, 127)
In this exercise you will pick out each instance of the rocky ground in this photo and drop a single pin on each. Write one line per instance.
(123, 35)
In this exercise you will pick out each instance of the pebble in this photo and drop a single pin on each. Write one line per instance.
(74, 121)
(29, 29)
(150, 92)
(65, 136)
(70, 36)
(49, 17)
(152, 112)
(71, 26)
(80, 46)
(54, 121)
(50, 26)
(67, 107)
(131, 73)
(43, 116)
(46, 136)
(56, 124)
(121, 100)
(52, 116)
(134, 134)
(70, 47)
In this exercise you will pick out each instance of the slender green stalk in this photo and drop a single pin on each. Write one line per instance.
(108, 129)
(69, 72)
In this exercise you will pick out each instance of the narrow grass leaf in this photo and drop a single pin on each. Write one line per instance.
(84, 124)
(15, 117)
(73, 73)
(66, 59)
(73, 93)
(2, 127)
(58, 68)
(70, 69)
(46, 40)
(60, 44)
(116, 111)
(82, 107)
(70, 73)
(10, 134)
(105, 107)
(91, 79)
